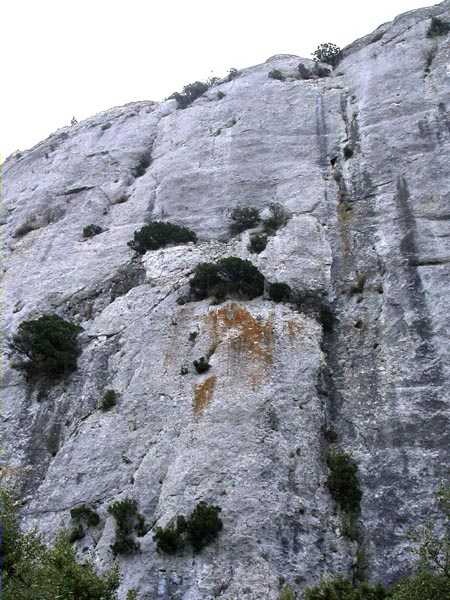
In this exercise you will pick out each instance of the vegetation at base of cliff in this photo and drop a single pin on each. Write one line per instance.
(128, 521)
(48, 345)
(328, 53)
(91, 230)
(340, 589)
(200, 529)
(109, 400)
(438, 28)
(158, 234)
(32, 570)
(228, 277)
(343, 481)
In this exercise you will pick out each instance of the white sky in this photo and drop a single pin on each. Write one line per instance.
(63, 57)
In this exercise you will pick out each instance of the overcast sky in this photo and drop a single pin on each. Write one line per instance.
(63, 58)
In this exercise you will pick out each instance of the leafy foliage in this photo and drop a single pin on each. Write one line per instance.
(158, 234)
(258, 242)
(343, 481)
(200, 529)
(128, 520)
(438, 28)
(286, 594)
(327, 53)
(201, 365)
(230, 276)
(49, 345)
(340, 589)
(85, 513)
(277, 219)
(279, 292)
(91, 230)
(243, 218)
(191, 92)
(276, 74)
(31, 570)
(109, 400)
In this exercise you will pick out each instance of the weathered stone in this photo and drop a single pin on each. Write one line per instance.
(367, 247)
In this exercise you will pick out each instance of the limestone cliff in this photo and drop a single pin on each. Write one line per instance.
(360, 159)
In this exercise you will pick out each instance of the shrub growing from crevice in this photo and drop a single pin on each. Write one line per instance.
(276, 74)
(438, 27)
(277, 219)
(232, 74)
(229, 276)
(243, 218)
(258, 242)
(91, 230)
(328, 53)
(109, 400)
(201, 365)
(280, 292)
(128, 521)
(83, 517)
(190, 92)
(199, 530)
(158, 234)
(343, 482)
(48, 345)
(340, 589)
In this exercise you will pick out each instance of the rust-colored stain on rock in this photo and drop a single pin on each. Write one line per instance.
(203, 394)
(294, 329)
(253, 338)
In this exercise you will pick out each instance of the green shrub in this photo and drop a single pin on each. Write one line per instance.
(91, 230)
(200, 529)
(258, 243)
(276, 74)
(49, 346)
(343, 482)
(327, 53)
(232, 74)
(286, 593)
(171, 539)
(191, 92)
(279, 292)
(277, 219)
(424, 585)
(438, 28)
(86, 514)
(220, 95)
(230, 276)
(243, 218)
(109, 400)
(30, 570)
(204, 525)
(339, 589)
(76, 533)
(201, 365)
(128, 522)
(157, 234)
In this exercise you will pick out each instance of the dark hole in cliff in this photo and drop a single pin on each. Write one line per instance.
(348, 152)
(358, 324)
(333, 161)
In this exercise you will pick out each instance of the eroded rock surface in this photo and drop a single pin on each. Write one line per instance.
(360, 161)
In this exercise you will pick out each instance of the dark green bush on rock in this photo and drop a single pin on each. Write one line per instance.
(109, 400)
(229, 276)
(128, 521)
(85, 513)
(49, 346)
(158, 234)
(280, 292)
(91, 230)
(201, 365)
(200, 529)
(258, 242)
(243, 218)
(191, 92)
(327, 53)
(343, 482)
(276, 220)
(276, 74)
(438, 28)
(339, 589)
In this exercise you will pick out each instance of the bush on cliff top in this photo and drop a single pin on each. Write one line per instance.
(49, 346)
(327, 53)
(158, 234)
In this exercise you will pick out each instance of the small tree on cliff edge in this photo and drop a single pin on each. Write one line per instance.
(327, 53)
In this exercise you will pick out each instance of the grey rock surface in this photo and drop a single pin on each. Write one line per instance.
(368, 239)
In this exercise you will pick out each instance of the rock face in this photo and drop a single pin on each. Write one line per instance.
(360, 160)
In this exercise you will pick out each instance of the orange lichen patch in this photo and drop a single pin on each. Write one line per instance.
(203, 393)
(294, 328)
(251, 337)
